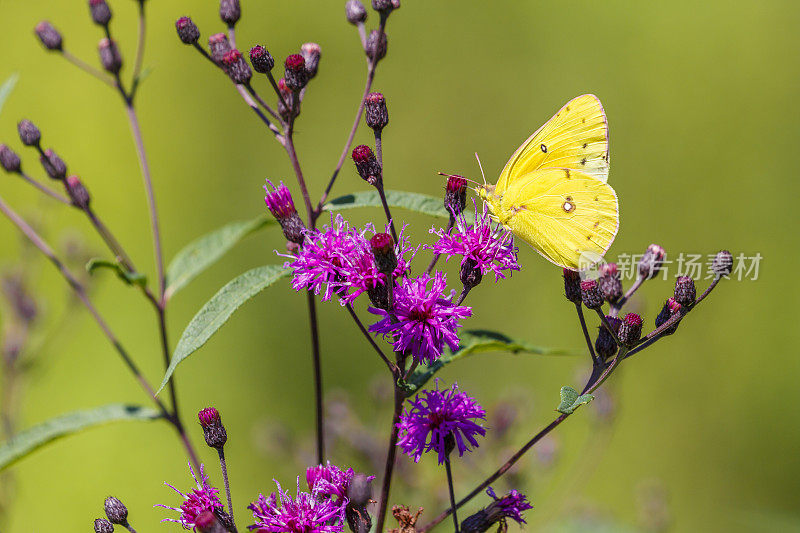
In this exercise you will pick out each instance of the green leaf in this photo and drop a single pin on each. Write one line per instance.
(421, 203)
(122, 273)
(571, 400)
(207, 250)
(33, 438)
(7, 87)
(219, 309)
(472, 342)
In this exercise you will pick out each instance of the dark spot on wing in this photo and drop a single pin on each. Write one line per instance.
(567, 108)
(596, 198)
(596, 223)
(585, 145)
(544, 148)
(583, 120)
(568, 198)
(583, 161)
(566, 172)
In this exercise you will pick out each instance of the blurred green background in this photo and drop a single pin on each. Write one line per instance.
(699, 98)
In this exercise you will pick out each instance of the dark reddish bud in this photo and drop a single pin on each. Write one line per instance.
(261, 59)
(630, 330)
(218, 46)
(376, 113)
(684, 291)
(671, 307)
(29, 134)
(9, 159)
(206, 522)
(280, 204)
(101, 13)
(605, 345)
(610, 282)
(77, 192)
(237, 68)
(572, 285)
(470, 273)
(377, 45)
(53, 165)
(50, 37)
(367, 165)
(116, 511)
(455, 196)
(722, 265)
(295, 75)
(355, 12)
(591, 295)
(311, 53)
(188, 31)
(359, 495)
(101, 525)
(651, 261)
(383, 251)
(230, 11)
(110, 57)
(213, 430)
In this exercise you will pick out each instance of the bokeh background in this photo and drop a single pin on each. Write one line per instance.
(704, 429)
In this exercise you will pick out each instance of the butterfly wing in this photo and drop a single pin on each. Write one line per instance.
(564, 214)
(576, 138)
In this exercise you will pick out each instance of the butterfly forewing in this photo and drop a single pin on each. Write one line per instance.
(576, 138)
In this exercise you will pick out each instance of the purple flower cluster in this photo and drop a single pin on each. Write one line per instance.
(511, 505)
(489, 248)
(305, 513)
(436, 416)
(423, 319)
(199, 500)
(330, 481)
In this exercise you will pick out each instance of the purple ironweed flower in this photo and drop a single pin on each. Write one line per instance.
(305, 513)
(511, 505)
(201, 499)
(426, 319)
(339, 259)
(331, 481)
(436, 415)
(492, 249)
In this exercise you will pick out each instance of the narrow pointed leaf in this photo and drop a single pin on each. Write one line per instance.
(571, 400)
(421, 203)
(207, 250)
(129, 278)
(6, 88)
(472, 342)
(33, 438)
(219, 309)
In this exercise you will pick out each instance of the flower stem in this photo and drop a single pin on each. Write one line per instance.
(436, 256)
(579, 309)
(224, 467)
(392, 367)
(452, 493)
(390, 458)
(137, 69)
(87, 68)
(314, 325)
(45, 189)
(616, 307)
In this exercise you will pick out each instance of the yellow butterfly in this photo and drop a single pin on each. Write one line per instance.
(553, 193)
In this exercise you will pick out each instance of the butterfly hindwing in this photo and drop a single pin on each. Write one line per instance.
(576, 137)
(563, 213)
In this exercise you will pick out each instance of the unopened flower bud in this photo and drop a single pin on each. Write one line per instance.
(230, 11)
(261, 59)
(311, 53)
(218, 46)
(116, 511)
(101, 525)
(355, 11)
(188, 31)
(384, 6)
(630, 330)
(610, 282)
(382, 246)
(53, 165)
(591, 295)
(572, 285)
(110, 57)
(9, 159)
(476, 523)
(101, 13)
(295, 75)
(237, 68)
(359, 495)
(376, 113)
(77, 192)
(29, 134)
(722, 265)
(605, 345)
(470, 274)
(50, 37)
(379, 295)
(684, 291)
(288, 97)
(651, 261)
(455, 196)
(367, 165)
(280, 204)
(377, 45)
(206, 522)
(213, 430)
(671, 307)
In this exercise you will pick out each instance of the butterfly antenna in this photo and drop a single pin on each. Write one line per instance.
(457, 176)
(481, 167)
